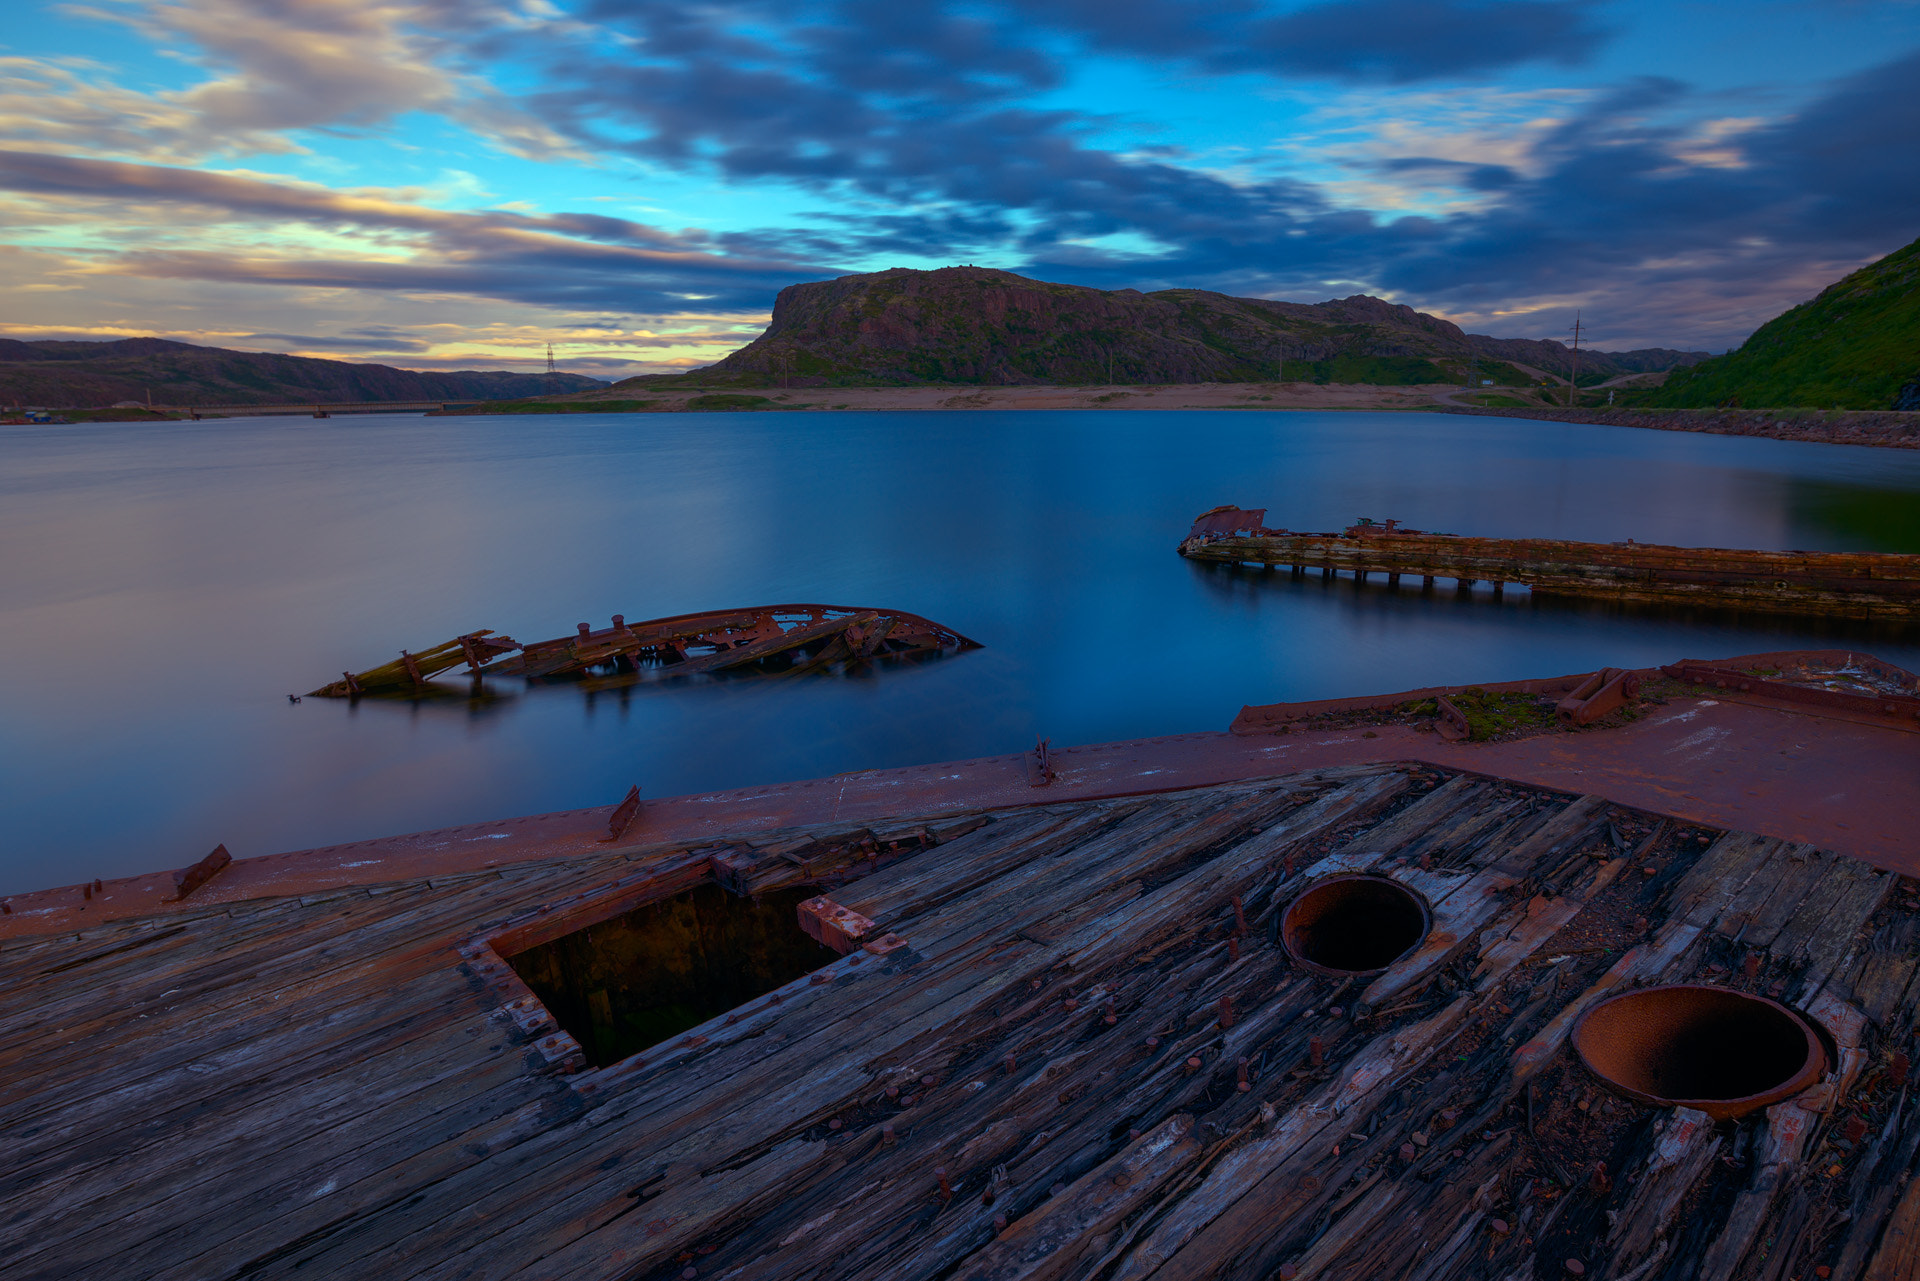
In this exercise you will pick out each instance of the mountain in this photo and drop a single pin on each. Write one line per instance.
(88, 374)
(975, 325)
(1856, 346)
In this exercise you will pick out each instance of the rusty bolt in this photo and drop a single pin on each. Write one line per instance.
(906, 1100)
(946, 1189)
(1316, 1052)
(1233, 949)
(1193, 1064)
(1408, 1151)
(689, 1272)
(893, 1091)
(1499, 1226)
(999, 1223)
(1823, 1271)
(886, 1133)
(1337, 1011)
(1153, 1043)
(86, 891)
(1034, 984)
(834, 1124)
(926, 1080)
(1226, 1011)
(1133, 1134)
(1239, 916)
(1009, 1062)
(819, 978)
(98, 887)
(1110, 1017)
(1574, 1266)
(1242, 1081)
(986, 1194)
(1070, 1005)
(1288, 1272)
(1056, 1189)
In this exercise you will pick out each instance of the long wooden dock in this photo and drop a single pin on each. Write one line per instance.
(1067, 1043)
(1835, 584)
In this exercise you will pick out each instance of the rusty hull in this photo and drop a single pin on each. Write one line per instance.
(1832, 584)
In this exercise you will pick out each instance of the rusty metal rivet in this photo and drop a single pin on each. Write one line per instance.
(1009, 1062)
(1407, 1151)
(1233, 949)
(1226, 1011)
(946, 1190)
(1499, 1226)
(999, 1223)
(1193, 1064)
(1239, 916)
(834, 1124)
(893, 1091)
(1309, 1183)
(886, 1133)
(1153, 1043)
(1070, 1004)
(926, 1080)
(1337, 1011)
(1576, 1267)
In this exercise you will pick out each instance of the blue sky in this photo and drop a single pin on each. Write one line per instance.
(454, 183)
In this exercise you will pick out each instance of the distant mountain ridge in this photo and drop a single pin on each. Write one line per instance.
(1855, 346)
(977, 325)
(92, 374)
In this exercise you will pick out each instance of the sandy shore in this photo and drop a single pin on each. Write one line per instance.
(1166, 396)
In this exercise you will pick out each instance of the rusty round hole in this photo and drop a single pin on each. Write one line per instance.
(1722, 1052)
(1354, 924)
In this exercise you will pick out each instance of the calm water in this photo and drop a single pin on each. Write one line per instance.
(162, 589)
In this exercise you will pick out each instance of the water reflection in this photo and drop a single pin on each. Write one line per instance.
(168, 586)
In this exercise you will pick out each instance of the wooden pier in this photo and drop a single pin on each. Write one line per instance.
(1056, 1040)
(1835, 584)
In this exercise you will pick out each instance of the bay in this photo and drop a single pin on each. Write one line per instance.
(164, 588)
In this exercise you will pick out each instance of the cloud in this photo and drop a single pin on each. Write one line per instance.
(572, 260)
(275, 68)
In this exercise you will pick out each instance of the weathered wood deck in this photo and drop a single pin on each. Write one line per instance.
(323, 1087)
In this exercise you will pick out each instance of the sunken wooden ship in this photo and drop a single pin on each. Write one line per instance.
(773, 639)
(1363, 1023)
(1837, 584)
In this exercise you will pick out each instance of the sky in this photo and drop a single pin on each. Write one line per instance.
(447, 184)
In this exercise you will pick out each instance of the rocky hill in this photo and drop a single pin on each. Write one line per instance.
(86, 374)
(1856, 346)
(975, 325)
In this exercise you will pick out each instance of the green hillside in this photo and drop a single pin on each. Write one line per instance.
(1856, 346)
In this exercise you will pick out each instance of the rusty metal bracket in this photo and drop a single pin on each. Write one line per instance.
(840, 928)
(1040, 764)
(200, 873)
(1605, 691)
(623, 815)
(1452, 724)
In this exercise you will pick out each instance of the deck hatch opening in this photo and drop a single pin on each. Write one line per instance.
(629, 982)
(1354, 925)
(1723, 1052)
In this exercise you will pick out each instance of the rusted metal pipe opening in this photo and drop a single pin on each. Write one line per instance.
(1723, 1052)
(1354, 925)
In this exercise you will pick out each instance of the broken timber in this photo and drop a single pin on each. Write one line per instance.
(1836, 584)
(786, 639)
(1074, 1049)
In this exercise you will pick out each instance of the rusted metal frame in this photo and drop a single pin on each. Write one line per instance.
(1263, 719)
(1892, 709)
(1450, 721)
(415, 670)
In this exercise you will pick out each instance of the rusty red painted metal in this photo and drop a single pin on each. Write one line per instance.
(840, 928)
(1719, 1051)
(1607, 690)
(199, 874)
(1894, 709)
(623, 814)
(1350, 925)
(1040, 764)
(1841, 584)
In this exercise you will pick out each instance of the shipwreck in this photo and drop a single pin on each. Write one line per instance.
(776, 639)
(1328, 996)
(1883, 585)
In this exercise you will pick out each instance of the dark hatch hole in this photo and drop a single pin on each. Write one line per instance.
(1687, 1043)
(633, 981)
(1354, 924)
